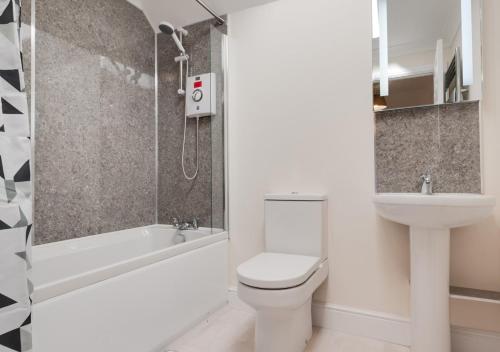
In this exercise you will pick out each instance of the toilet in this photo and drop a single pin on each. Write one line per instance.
(280, 282)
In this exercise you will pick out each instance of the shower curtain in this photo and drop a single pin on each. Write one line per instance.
(15, 188)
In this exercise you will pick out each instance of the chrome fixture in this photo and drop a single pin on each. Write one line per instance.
(185, 225)
(220, 21)
(426, 180)
(169, 29)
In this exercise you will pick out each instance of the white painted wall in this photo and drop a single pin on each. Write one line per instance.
(301, 119)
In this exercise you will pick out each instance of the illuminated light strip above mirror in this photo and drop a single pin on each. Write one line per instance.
(375, 24)
(467, 48)
(383, 48)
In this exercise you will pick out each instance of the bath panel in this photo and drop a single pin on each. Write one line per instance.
(137, 304)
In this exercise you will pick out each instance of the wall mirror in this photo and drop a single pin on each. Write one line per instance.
(426, 52)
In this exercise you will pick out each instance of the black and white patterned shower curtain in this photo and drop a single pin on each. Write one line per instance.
(15, 188)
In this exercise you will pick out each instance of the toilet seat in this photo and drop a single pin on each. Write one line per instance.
(277, 270)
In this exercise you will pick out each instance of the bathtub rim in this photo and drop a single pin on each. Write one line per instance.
(101, 236)
(71, 283)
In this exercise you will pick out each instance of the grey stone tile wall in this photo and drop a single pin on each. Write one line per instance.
(95, 118)
(204, 196)
(95, 122)
(444, 139)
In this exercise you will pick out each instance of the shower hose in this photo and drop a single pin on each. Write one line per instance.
(184, 139)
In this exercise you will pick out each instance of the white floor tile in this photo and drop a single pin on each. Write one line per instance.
(231, 329)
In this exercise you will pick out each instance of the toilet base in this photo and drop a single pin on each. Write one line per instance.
(283, 329)
(283, 321)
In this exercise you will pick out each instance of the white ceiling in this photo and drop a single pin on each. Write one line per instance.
(185, 12)
(415, 25)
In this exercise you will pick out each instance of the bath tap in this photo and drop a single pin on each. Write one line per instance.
(185, 225)
(426, 183)
(175, 222)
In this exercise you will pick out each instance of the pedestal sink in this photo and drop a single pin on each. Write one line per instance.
(430, 218)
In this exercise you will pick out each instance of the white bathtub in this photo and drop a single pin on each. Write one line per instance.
(126, 291)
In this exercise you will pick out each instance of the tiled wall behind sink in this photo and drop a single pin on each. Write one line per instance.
(442, 138)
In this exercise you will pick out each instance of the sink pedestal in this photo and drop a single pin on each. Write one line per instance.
(430, 272)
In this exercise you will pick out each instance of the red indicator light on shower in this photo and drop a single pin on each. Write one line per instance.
(198, 84)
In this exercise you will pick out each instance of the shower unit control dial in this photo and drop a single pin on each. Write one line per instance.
(200, 97)
(197, 95)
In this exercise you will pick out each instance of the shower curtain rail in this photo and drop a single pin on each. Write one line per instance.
(220, 20)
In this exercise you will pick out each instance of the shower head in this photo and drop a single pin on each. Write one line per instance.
(167, 28)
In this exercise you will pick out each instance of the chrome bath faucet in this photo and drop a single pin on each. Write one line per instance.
(426, 180)
(185, 225)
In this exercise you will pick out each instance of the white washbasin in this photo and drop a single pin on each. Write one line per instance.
(430, 218)
(444, 210)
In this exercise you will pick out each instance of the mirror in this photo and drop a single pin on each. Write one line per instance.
(426, 52)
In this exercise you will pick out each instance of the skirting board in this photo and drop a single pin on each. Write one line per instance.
(352, 321)
(391, 328)
(395, 329)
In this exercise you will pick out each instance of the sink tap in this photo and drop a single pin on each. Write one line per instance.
(426, 180)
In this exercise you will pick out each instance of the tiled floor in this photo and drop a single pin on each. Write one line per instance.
(231, 329)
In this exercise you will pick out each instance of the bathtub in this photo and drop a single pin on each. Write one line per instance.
(126, 291)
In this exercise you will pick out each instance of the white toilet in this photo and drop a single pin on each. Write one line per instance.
(280, 282)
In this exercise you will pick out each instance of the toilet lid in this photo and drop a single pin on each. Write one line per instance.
(277, 270)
